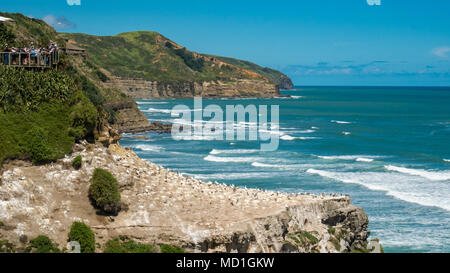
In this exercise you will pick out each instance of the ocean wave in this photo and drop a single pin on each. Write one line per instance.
(362, 159)
(346, 133)
(291, 138)
(310, 131)
(149, 148)
(404, 187)
(341, 122)
(231, 176)
(446, 160)
(435, 176)
(167, 111)
(263, 165)
(151, 102)
(349, 157)
(213, 158)
(238, 151)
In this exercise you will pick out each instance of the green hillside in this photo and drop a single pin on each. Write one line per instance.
(43, 113)
(151, 56)
(273, 75)
(26, 30)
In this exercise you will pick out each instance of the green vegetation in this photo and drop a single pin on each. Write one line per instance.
(43, 244)
(151, 56)
(275, 77)
(6, 247)
(26, 30)
(124, 244)
(6, 36)
(104, 192)
(77, 162)
(81, 233)
(42, 114)
(170, 249)
(301, 239)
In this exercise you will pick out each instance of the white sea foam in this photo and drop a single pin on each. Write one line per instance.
(431, 175)
(263, 165)
(446, 160)
(231, 176)
(404, 187)
(362, 159)
(167, 111)
(287, 138)
(349, 157)
(154, 110)
(229, 159)
(341, 122)
(149, 148)
(151, 102)
(291, 138)
(346, 133)
(237, 151)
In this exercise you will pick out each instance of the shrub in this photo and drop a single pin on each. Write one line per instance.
(37, 146)
(101, 76)
(81, 233)
(77, 162)
(43, 244)
(126, 245)
(170, 249)
(104, 192)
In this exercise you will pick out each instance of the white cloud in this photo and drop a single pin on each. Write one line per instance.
(58, 23)
(441, 51)
(74, 2)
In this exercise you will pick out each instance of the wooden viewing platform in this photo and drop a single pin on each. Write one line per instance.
(29, 60)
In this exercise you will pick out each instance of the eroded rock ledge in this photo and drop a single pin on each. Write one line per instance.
(143, 89)
(166, 207)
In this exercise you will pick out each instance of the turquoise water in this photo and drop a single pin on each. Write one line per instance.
(388, 148)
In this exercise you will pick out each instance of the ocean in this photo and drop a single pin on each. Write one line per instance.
(387, 147)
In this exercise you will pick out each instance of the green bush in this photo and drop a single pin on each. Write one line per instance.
(104, 192)
(37, 146)
(170, 249)
(126, 245)
(42, 114)
(81, 233)
(43, 244)
(77, 162)
(101, 76)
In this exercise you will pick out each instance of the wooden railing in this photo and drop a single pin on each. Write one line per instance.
(24, 59)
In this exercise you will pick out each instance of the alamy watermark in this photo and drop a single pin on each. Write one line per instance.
(231, 124)
(374, 2)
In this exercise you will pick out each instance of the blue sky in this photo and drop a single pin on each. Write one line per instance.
(315, 42)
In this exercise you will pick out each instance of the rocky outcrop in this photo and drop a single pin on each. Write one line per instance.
(166, 207)
(142, 89)
(285, 82)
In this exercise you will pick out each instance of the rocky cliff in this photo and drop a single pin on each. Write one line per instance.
(142, 89)
(165, 207)
(158, 67)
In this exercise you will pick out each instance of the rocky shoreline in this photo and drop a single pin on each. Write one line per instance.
(165, 207)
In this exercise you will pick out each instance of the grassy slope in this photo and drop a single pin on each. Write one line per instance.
(151, 56)
(27, 30)
(273, 75)
(54, 107)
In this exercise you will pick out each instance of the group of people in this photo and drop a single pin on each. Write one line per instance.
(42, 56)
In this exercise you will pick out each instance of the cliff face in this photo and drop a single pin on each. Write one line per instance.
(158, 67)
(285, 83)
(142, 89)
(165, 207)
